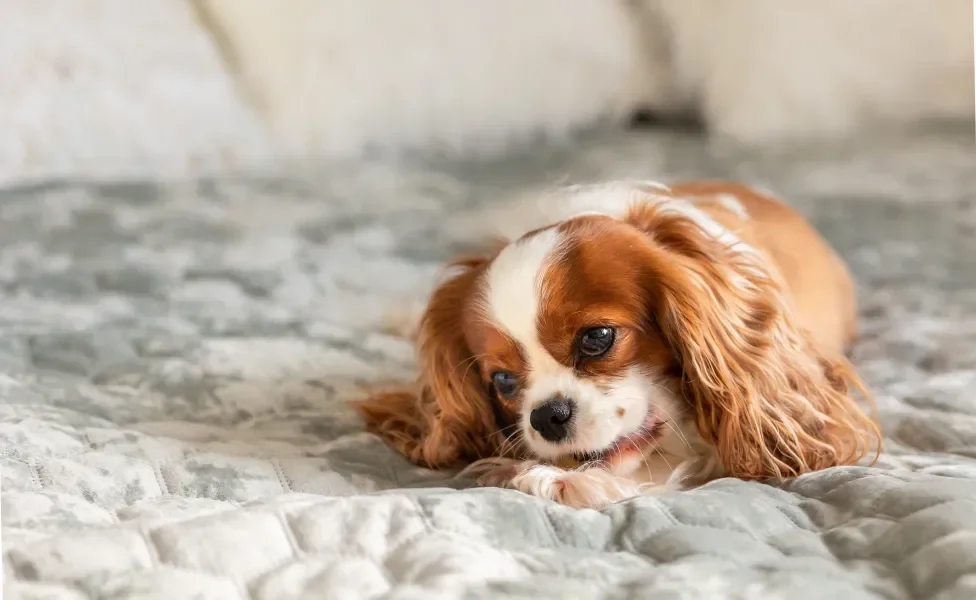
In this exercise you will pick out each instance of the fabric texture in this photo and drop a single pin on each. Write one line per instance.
(175, 362)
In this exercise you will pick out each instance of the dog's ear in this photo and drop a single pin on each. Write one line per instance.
(447, 418)
(772, 402)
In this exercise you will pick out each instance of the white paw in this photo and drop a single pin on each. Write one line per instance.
(591, 487)
(585, 488)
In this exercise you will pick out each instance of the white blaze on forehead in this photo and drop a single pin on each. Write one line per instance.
(514, 291)
(514, 281)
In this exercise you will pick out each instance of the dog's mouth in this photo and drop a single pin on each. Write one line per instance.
(647, 434)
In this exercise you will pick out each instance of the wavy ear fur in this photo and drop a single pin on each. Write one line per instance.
(772, 403)
(447, 418)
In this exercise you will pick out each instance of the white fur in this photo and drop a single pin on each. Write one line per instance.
(587, 488)
(116, 88)
(679, 459)
(687, 209)
(732, 204)
(344, 77)
(514, 291)
(582, 488)
(512, 297)
(597, 423)
(766, 70)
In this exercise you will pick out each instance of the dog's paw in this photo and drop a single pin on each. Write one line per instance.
(591, 487)
(584, 488)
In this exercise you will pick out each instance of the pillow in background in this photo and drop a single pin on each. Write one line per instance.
(117, 89)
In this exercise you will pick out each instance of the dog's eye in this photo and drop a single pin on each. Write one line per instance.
(506, 384)
(595, 341)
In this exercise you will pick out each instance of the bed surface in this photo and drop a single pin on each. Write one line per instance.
(175, 358)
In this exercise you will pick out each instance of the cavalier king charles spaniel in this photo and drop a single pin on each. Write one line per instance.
(646, 338)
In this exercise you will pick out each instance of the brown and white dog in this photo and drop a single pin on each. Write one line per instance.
(648, 338)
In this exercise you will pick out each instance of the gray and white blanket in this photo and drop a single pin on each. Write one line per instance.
(175, 361)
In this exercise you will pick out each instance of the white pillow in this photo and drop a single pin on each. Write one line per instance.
(116, 88)
(761, 71)
(341, 78)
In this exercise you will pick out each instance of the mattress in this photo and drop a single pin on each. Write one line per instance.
(176, 361)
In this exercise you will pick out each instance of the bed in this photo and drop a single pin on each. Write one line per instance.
(176, 360)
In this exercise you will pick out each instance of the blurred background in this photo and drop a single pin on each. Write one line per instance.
(176, 88)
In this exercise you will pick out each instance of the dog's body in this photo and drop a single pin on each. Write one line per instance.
(648, 338)
(817, 282)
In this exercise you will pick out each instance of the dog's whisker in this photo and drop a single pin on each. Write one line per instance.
(510, 443)
(669, 423)
(647, 464)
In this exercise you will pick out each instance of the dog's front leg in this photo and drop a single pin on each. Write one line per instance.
(588, 487)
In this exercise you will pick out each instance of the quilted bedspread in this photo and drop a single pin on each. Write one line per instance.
(175, 362)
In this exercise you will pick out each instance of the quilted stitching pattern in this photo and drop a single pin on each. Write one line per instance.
(174, 362)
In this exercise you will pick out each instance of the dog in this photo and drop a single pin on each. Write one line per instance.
(647, 338)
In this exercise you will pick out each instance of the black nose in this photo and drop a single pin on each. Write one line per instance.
(552, 419)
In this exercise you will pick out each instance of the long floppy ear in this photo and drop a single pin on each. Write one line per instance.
(447, 418)
(772, 402)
